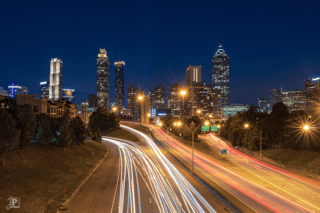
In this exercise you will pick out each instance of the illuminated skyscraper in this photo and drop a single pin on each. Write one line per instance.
(119, 83)
(159, 96)
(132, 93)
(103, 79)
(312, 88)
(220, 73)
(263, 104)
(44, 90)
(193, 74)
(56, 79)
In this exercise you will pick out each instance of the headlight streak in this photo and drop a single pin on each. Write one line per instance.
(262, 166)
(133, 158)
(208, 164)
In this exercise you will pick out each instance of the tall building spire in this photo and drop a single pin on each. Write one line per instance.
(56, 79)
(103, 79)
(220, 73)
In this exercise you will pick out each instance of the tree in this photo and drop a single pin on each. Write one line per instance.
(26, 122)
(9, 134)
(64, 138)
(25, 139)
(55, 126)
(280, 110)
(104, 120)
(25, 115)
(44, 134)
(79, 129)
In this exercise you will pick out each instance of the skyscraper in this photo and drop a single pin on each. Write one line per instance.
(56, 79)
(93, 100)
(175, 100)
(312, 88)
(294, 100)
(193, 74)
(119, 83)
(132, 93)
(220, 73)
(103, 79)
(263, 104)
(274, 97)
(44, 90)
(159, 96)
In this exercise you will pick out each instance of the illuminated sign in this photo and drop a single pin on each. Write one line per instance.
(41, 83)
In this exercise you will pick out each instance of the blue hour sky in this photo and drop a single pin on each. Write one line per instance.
(269, 43)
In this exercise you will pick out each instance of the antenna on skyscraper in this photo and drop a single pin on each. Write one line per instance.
(119, 56)
(281, 87)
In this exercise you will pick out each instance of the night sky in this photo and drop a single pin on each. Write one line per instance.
(269, 43)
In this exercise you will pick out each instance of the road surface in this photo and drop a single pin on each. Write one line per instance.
(138, 177)
(265, 197)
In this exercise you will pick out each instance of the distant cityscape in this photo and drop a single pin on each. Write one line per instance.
(206, 101)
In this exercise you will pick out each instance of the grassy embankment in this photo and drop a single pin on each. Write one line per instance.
(122, 134)
(47, 175)
(296, 159)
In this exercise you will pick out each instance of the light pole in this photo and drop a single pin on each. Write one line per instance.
(168, 127)
(246, 126)
(183, 92)
(140, 98)
(192, 132)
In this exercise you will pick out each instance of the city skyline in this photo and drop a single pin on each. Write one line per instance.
(252, 51)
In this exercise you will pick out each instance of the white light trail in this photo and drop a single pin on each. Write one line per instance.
(134, 161)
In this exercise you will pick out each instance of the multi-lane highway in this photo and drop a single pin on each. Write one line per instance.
(144, 171)
(274, 191)
(301, 190)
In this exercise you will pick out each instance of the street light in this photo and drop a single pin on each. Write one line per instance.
(206, 123)
(140, 98)
(183, 92)
(246, 126)
(168, 127)
(307, 129)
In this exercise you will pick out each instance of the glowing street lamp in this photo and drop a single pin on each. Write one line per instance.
(206, 123)
(169, 127)
(246, 126)
(306, 127)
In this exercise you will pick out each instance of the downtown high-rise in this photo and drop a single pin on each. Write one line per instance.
(103, 79)
(119, 83)
(56, 79)
(193, 74)
(220, 74)
(44, 90)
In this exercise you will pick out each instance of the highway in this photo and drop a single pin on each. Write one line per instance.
(298, 189)
(144, 171)
(276, 191)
